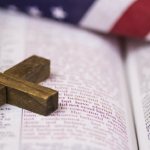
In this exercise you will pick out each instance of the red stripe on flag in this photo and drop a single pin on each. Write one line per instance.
(135, 21)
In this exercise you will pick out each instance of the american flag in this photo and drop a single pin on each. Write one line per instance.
(129, 18)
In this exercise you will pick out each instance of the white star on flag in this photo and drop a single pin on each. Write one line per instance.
(12, 7)
(34, 11)
(58, 12)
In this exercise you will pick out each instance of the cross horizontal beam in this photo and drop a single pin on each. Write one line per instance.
(25, 94)
(29, 95)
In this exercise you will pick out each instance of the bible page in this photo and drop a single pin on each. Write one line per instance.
(94, 110)
(138, 70)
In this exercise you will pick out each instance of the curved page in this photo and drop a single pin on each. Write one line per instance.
(138, 68)
(86, 69)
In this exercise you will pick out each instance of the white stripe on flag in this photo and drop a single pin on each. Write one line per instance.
(148, 37)
(103, 14)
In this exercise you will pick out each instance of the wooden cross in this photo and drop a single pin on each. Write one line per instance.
(17, 86)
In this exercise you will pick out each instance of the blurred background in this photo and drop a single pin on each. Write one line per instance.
(126, 17)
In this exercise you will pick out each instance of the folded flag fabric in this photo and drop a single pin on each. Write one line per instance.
(129, 18)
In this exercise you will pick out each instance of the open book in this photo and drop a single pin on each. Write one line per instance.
(96, 111)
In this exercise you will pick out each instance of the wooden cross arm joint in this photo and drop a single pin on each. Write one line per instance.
(16, 91)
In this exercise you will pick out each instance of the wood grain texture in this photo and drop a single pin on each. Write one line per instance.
(34, 69)
(2, 95)
(29, 96)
